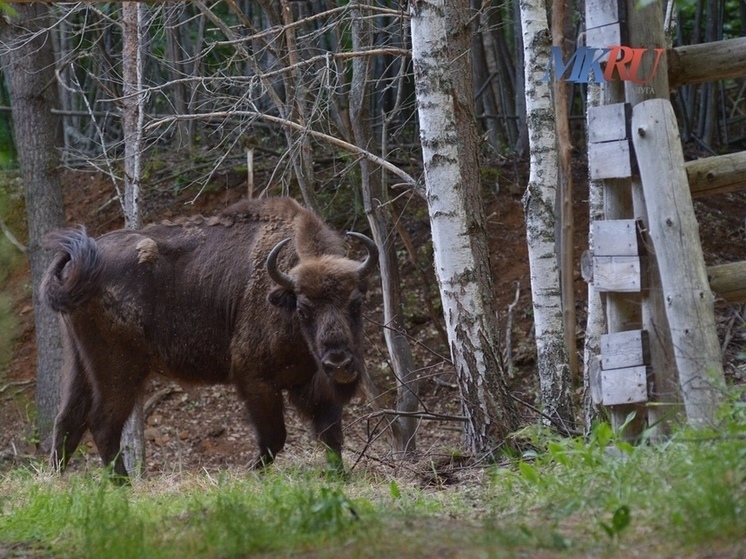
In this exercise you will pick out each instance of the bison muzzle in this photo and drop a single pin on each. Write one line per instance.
(206, 300)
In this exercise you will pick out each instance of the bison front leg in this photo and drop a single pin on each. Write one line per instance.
(266, 410)
(326, 418)
(327, 425)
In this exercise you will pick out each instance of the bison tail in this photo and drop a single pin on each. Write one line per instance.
(73, 276)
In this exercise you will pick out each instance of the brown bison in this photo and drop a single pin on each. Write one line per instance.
(206, 300)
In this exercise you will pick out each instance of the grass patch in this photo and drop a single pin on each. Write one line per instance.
(565, 498)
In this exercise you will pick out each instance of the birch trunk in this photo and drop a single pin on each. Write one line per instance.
(457, 224)
(596, 319)
(133, 440)
(539, 204)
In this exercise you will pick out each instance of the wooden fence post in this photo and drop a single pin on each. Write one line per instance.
(674, 233)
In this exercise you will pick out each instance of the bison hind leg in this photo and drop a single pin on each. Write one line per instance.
(264, 404)
(72, 420)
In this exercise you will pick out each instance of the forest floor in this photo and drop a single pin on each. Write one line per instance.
(193, 428)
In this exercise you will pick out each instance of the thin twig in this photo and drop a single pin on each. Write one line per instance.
(427, 416)
(8, 233)
(290, 124)
(16, 383)
(509, 331)
(411, 339)
(559, 425)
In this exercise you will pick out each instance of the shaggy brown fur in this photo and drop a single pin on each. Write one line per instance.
(192, 299)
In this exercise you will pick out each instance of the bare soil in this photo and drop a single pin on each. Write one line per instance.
(189, 428)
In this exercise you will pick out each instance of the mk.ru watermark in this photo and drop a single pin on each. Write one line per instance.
(585, 64)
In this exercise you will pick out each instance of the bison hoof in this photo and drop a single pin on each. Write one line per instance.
(335, 468)
(261, 463)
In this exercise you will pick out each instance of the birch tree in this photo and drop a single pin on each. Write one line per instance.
(540, 202)
(28, 65)
(457, 220)
(595, 325)
(133, 440)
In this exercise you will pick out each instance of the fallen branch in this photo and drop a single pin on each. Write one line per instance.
(427, 416)
(156, 398)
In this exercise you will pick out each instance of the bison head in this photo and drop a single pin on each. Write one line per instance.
(326, 293)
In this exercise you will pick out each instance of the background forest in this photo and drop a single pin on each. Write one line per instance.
(171, 108)
(272, 98)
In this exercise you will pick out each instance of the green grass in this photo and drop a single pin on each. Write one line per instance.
(598, 497)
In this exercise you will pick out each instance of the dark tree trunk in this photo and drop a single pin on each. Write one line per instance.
(375, 198)
(28, 65)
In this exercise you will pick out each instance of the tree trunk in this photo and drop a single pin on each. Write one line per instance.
(28, 64)
(175, 62)
(596, 319)
(539, 204)
(374, 199)
(457, 218)
(522, 144)
(565, 194)
(133, 440)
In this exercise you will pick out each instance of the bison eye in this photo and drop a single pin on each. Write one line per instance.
(304, 311)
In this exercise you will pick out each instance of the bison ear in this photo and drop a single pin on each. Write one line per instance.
(283, 298)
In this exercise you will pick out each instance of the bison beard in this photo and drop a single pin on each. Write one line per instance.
(205, 300)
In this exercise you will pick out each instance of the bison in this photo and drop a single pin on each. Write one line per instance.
(206, 300)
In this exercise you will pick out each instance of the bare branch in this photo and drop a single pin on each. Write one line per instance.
(15, 242)
(289, 124)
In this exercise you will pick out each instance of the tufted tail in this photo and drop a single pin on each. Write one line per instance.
(73, 276)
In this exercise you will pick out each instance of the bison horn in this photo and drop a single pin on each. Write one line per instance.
(370, 261)
(275, 274)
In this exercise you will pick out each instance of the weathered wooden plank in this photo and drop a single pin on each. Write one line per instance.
(610, 160)
(620, 350)
(617, 274)
(605, 36)
(607, 123)
(594, 380)
(674, 234)
(729, 281)
(717, 175)
(624, 386)
(604, 12)
(706, 62)
(615, 237)
(645, 26)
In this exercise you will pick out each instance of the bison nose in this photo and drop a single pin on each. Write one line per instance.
(336, 359)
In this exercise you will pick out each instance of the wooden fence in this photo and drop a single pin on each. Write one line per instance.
(646, 259)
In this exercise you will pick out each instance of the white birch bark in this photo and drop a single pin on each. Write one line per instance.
(596, 319)
(540, 204)
(459, 242)
(133, 440)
